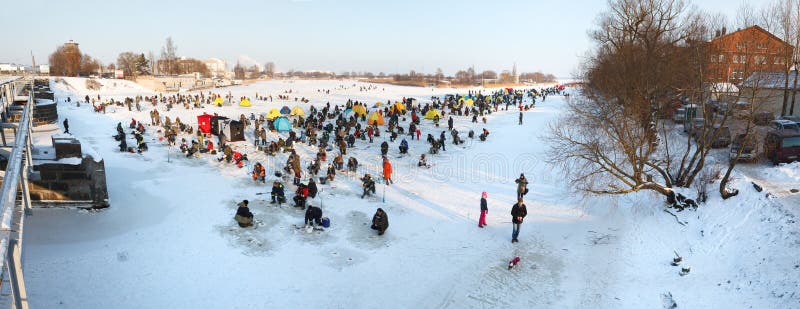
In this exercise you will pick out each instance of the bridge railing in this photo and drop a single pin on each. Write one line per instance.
(12, 213)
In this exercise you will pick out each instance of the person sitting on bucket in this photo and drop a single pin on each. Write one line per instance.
(380, 221)
(403, 146)
(422, 161)
(277, 193)
(300, 196)
(259, 173)
(243, 215)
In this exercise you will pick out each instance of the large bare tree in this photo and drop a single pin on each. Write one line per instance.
(169, 56)
(650, 55)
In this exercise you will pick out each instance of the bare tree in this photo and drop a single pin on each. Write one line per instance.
(169, 56)
(269, 69)
(781, 17)
(744, 16)
(89, 65)
(239, 71)
(489, 74)
(646, 57)
(127, 62)
(66, 60)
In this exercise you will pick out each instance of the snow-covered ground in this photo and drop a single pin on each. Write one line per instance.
(169, 239)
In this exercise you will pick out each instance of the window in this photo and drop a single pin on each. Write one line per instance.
(760, 60)
(714, 58)
(742, 59)
(735, 59)
(780, 60)
(721, 58)
(762, 46)
(733, 74)
(741, 45)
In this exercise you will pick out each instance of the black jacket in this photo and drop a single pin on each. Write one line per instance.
(313, 213)
(483, 205)
(518, 213)
(277, 190)
(244, 212)
(380, 221)
(312, 189)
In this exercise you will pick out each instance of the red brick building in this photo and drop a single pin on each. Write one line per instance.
(736, 55)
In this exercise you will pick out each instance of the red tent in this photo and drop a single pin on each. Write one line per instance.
(204, 123)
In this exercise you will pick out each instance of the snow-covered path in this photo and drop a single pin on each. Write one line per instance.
(169, 239)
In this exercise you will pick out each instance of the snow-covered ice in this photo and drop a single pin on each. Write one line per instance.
(169, 239)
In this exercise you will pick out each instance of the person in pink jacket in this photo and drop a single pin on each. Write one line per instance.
(484, 210)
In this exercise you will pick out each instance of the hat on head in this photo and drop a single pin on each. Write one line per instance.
(246, 202)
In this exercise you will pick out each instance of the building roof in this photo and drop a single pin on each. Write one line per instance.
(756, 28)
(770, 80)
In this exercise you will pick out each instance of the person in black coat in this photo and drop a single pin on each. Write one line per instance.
(313, 215)
(380, 221)
(312, 188)
(384, 148)
(518, 213)
(243, 215)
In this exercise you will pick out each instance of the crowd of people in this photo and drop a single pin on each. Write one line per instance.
(340, 127)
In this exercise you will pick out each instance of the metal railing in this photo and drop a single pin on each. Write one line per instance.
(12, 213)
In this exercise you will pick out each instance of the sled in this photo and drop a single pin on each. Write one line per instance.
(513, 263)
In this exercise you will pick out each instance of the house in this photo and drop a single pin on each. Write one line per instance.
(216, 67)
(736, 55)
(766, 91)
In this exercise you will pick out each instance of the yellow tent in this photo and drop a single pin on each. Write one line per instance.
(218, 101)
(297, 111)
(379, 104)
(433, 113)
(374, 118)
(245, 102)
(360, 110)
(399, 107)
(273, 113)
(469, 102)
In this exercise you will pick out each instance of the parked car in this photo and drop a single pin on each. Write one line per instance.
(782, 146)
(719, 137)
(748, 146)
(792, 118)
(783, 124)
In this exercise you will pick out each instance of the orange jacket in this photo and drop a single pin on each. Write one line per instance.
(387, 169)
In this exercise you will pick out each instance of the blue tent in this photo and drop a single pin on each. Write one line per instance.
(282, 124)
(286, 110)
(348, 112)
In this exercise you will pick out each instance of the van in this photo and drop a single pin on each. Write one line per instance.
(679, 116)
(782, 146)
(693, 125)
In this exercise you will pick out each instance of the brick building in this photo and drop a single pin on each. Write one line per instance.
(736, 55)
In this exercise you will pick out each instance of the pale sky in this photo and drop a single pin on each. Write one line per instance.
(376, 36)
